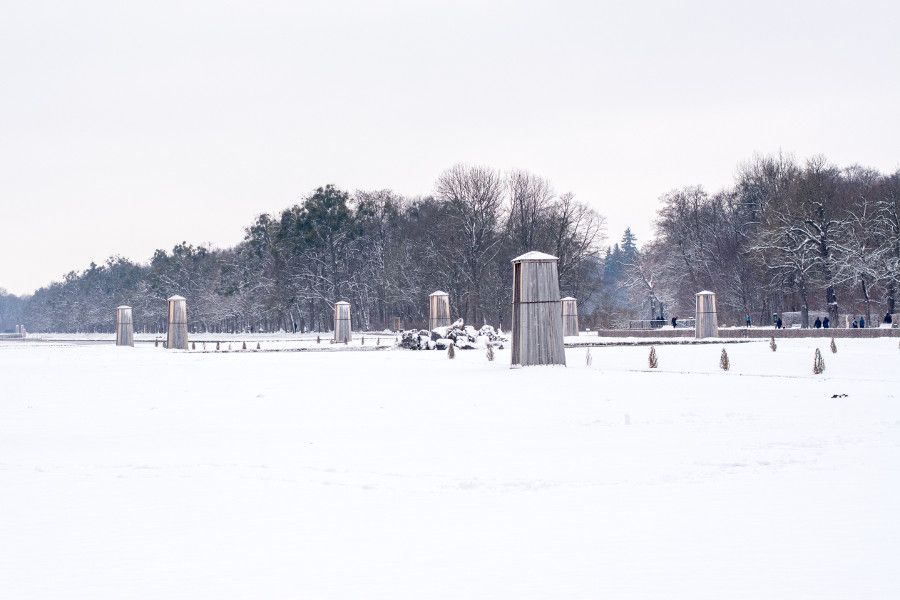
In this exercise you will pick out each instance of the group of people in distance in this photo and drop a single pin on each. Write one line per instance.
(825, 323)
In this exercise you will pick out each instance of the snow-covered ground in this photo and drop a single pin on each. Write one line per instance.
(207, 341)
(146, 473)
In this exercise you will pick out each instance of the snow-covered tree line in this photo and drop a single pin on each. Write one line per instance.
(382, 252)
(785, 237)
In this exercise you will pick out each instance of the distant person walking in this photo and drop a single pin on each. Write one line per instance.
(748, 320)
(674, 322)
(818, 323)
(826, 323)
(862, 322)
(888, 319)
(778, 323)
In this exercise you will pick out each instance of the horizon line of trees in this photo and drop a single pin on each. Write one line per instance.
(382, 252)
(786, 237)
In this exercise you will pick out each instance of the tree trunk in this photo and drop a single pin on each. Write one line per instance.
(867, 300)
(804, 308)
(831, 299)
(892, 297)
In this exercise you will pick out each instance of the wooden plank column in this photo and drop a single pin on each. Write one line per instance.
(124, 326)
(177, 332)
(570, 315)
(342, 333)
(537, 328)
(706, 321)
(438, 310)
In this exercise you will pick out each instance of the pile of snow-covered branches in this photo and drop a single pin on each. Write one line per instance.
(464, 337)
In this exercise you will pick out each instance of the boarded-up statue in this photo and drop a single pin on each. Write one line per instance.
(177, 334)
(342, 332)
(124, 326)
(706, 323)
(438, 310)
(537, 329)
(570, 316)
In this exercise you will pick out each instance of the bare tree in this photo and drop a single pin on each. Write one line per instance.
(530, 198)
(474, 198)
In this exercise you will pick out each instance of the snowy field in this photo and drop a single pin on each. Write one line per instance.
(146, 473)
(207, 341)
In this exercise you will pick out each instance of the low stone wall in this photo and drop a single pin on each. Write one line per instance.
(868, 332)
(591, 342)
(641, 333)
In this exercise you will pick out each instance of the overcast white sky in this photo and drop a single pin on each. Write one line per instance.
(129, 126)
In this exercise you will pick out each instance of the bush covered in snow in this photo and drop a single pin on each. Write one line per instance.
(462, 336)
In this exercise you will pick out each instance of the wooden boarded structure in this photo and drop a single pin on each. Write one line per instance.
(706, 321)
(342, 322)
(537, 328)
(438, 310)
(569, 315)
(124, 326)
(177, 331)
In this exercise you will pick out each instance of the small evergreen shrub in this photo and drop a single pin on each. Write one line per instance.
(818, 363)
(772, 344)
(490, 353)
(451, 351)
(833, 347)
(652, 360)
(724, 364)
